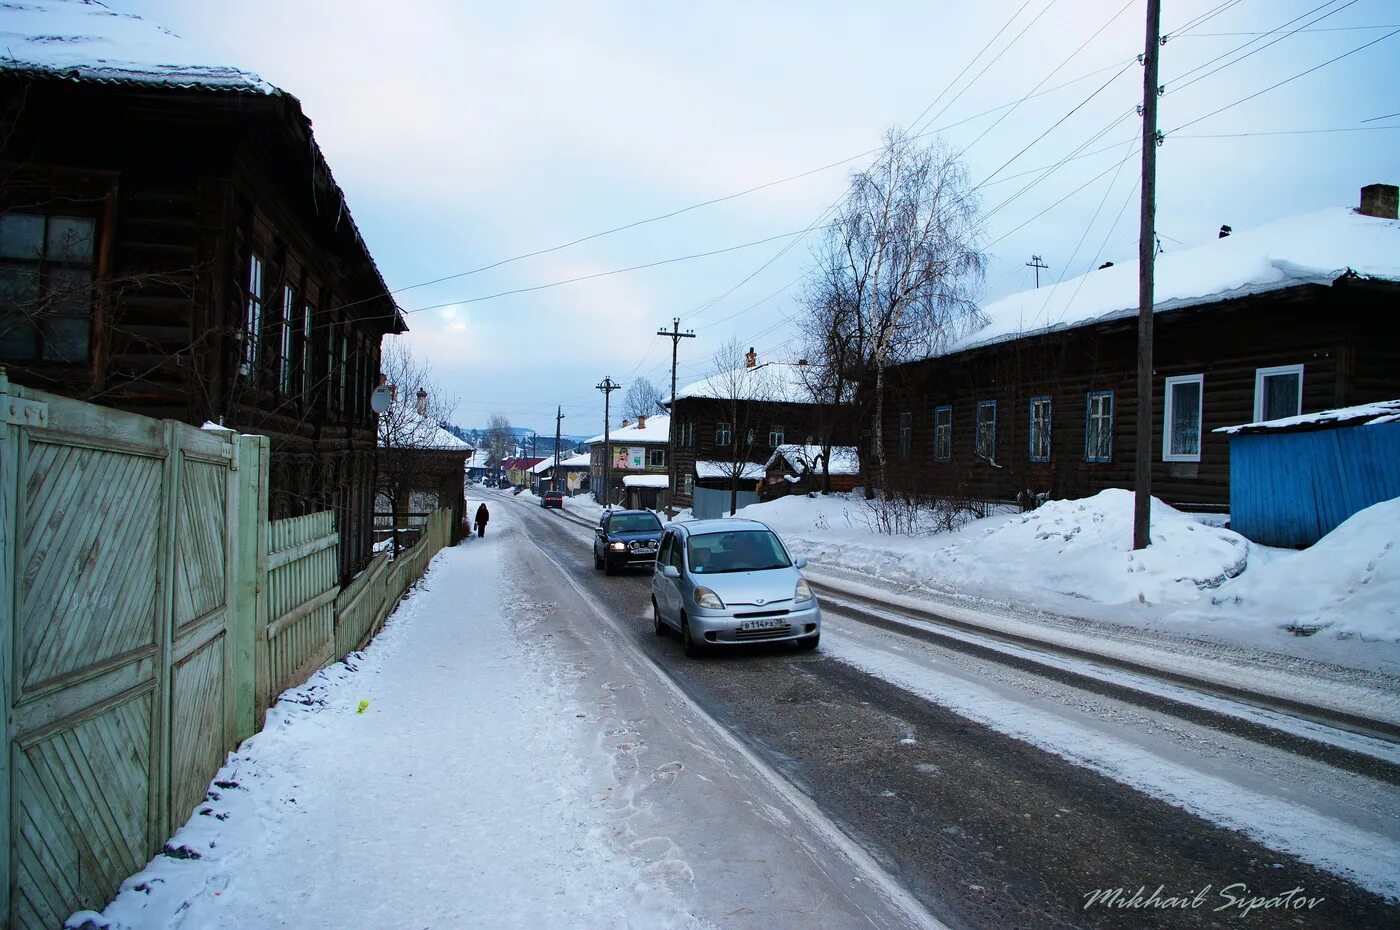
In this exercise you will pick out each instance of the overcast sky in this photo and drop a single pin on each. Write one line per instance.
(464, 134)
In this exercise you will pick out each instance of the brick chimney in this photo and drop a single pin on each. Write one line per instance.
(1379, 200)
(422, 402)
(642, 421)
(751, 358)
(626, 422)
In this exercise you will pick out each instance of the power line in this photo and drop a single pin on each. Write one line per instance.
(1205, 35)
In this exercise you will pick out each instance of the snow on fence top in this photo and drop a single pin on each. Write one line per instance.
(1387, 411)
(84, 40)
(1312, 248)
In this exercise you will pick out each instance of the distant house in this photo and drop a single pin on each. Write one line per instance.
(517, 470)
(1294, 480)
(422, 468)
(478, 466)
(572, 474)
(172, 243)
(632, 449)
(1294, 316)
(794, 469)
(730, 424)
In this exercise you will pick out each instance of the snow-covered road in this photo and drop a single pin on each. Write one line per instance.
(493, 760)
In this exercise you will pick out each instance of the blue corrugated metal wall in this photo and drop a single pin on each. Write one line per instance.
(1291, 489)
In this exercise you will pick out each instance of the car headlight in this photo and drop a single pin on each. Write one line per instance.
(803, 592)
(708, 599)
(618, 547)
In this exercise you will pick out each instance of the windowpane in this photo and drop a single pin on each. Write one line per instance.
(943, 433)
(986, 442)
(289, 303)
(1098, 437)
(1185, 421)
(69, 240)
(21, 236)
(69, 293)
(1281, 394)
(906, 433)
(1040, 429)
(65, 338)
(775, 436)
(19, 289)
(252, 323)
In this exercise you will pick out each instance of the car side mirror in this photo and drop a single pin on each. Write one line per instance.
(670, 571)
(800, 562)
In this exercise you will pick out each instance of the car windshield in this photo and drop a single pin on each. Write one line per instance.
(633, 523)
(743, 551)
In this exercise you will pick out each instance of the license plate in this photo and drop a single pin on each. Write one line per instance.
(645, 550)
(762, 624)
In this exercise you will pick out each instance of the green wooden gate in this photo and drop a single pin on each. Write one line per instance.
(123, 647)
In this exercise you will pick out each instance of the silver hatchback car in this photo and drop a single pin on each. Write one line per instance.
(725, 582)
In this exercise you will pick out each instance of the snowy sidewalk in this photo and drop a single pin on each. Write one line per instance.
(506, 771)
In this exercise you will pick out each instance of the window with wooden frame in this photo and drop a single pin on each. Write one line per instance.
(656, 458)
(906, 433)
(286, 359)
(308, 355)
(1278, 392)
(943, 433)
(1039, 432)
(724, 435)
(46, 287)
(985, 439)
(1181, 421)
(776, 435)
(687, 434)
(254, 296)
(1098, 426)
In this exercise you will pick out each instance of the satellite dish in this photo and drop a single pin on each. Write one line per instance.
(380, 398)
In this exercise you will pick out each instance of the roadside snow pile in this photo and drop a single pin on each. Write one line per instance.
(1083, 548)
(1347, 584)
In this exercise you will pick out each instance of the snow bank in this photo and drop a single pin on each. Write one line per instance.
(1348, 583)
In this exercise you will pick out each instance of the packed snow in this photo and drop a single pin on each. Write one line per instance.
(1363, 414)
(654, 430)
(1075, 557)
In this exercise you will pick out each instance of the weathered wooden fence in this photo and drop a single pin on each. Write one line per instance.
(149, 614)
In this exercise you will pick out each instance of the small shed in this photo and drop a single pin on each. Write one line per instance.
(1294, 480)
(798, 469)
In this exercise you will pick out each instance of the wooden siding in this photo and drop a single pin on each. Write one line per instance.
(1293, 488)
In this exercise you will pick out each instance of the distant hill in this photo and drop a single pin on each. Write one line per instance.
(543, 445)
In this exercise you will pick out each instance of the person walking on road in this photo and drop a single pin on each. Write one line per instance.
(483, 516)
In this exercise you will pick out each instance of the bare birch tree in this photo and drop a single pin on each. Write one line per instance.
(739, 394)
(898, 270)
(500, 441)
(412, 423)
(643, 399)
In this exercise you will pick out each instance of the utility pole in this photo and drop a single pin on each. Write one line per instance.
(676, 336)
(607, 386)
(558, 423)
(1037, 264)
(1147, 239)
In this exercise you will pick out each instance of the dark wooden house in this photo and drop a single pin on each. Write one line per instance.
(1292, 317)
(732, 422)
(172, 243)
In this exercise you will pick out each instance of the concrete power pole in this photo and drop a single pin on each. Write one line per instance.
(607, 386)
(675, 336)
(1142, 464)
(558, 423)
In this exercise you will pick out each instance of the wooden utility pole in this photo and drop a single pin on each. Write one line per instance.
(1037, 264)
(607, 386)
(558, 423)
(1147, 238)
(676, 336)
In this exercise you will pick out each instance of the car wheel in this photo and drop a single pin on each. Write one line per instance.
(693, 648)
(658, 624)
(808, 643)
(597, 560)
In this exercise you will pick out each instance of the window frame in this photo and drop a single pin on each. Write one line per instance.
(906, 434)
(1168, 408)
(653, 454)
(1089, 419)
(977, 432)
(286, 373)
(776, 435)
(1049, 428)
(943, 434)
(723, 428)
(45, 268)
(254, 308)
(1262, 374)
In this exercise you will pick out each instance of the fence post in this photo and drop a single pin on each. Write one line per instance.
(251, 573)
(9, 486)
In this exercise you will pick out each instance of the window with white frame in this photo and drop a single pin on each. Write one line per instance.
(656, 458)
(253, 317)
(1278, 392)
(906, 433)
(286, 373)
(1098, 427)
(1181, 427)
(724, 435)
(985, 442)
(687, 434)
(775, 435)
(943, 433)
(1039, 433)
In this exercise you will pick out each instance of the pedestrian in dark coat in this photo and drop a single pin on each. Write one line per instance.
(483, 516)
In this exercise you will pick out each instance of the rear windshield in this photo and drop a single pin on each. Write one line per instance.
(633, 523)
(741, 551)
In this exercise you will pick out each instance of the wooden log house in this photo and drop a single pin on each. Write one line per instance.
(172, 243)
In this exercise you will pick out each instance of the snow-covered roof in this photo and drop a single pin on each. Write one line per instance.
(1312, 248)
(645, 481)
(775, 382)
(582, 460)
(717, 468)
(1387, 411)
(85, 40)
(479, 459)
(656, 430)
(802, 459)
(412, 431)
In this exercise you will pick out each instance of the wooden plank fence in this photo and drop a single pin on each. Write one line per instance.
(149, 614)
